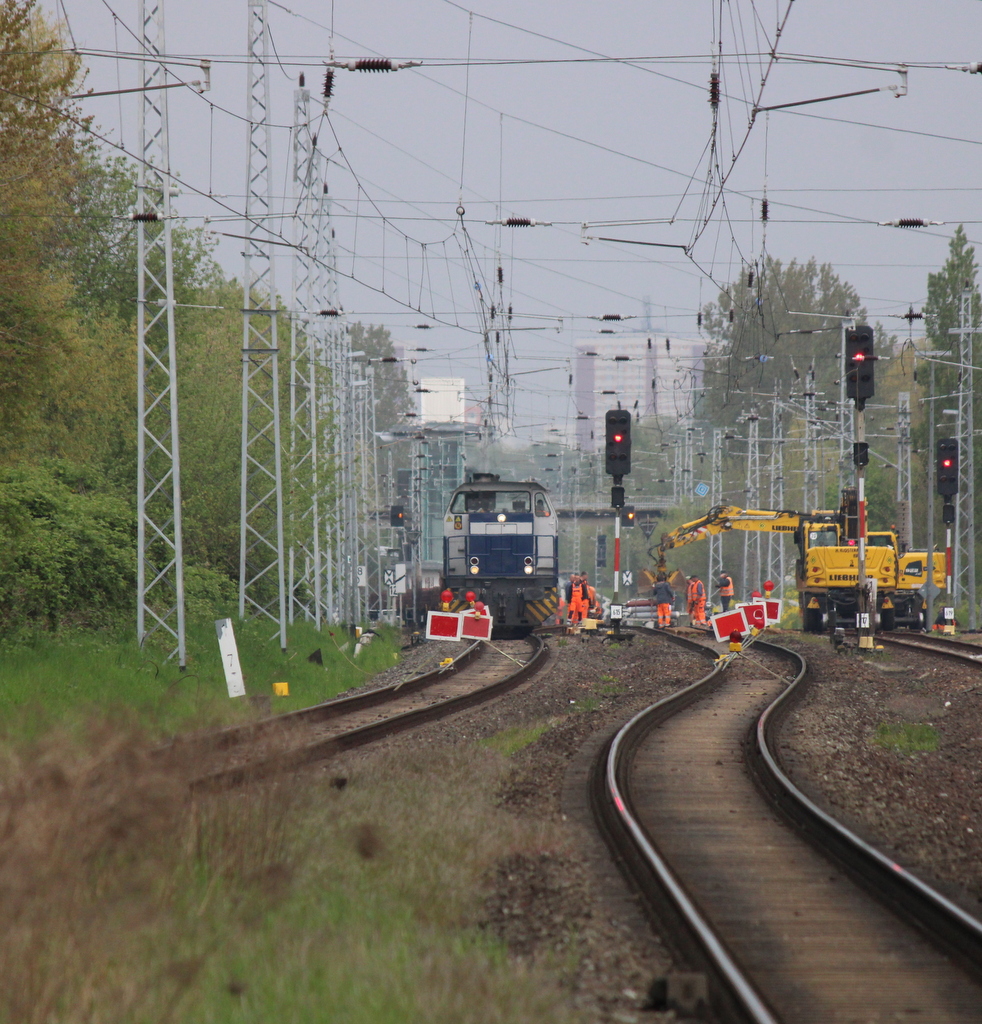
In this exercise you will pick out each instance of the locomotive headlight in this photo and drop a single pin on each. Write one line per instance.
(528, 559)
(474, 560)
(501, 517)
(475, 569)
(528, 570)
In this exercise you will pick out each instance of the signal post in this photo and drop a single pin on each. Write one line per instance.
(947, 481)
(860, 360)
(617, 463)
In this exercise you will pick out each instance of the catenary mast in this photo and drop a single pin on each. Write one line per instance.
(160, 556)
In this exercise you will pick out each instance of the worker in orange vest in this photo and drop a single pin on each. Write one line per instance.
(695, 600)
(725, 587)
(576, 599)
(591, 604)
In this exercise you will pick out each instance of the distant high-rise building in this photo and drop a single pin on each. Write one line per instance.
(442, 400)
(654, 376)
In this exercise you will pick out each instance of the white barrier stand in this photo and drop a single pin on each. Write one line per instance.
(230, 658)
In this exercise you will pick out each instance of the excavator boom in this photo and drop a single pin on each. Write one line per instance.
(722, 518)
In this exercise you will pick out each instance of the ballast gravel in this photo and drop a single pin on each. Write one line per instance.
(572, 911)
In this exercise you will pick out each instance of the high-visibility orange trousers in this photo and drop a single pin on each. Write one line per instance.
(697, 611)
(664, 615)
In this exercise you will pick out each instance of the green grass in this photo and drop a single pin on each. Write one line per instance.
(68, 679)
(292, 902)
(510, 741)
(906, 738)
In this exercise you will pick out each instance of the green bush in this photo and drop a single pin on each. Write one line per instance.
(67, 553)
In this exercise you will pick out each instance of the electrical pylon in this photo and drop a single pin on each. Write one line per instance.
(963, 574)
(905, 489)
(716, 540)
(810, 499)
(160, 555)
(751, 541)
(262, 586)
(305, 563)
(775, 541)
(334, 346)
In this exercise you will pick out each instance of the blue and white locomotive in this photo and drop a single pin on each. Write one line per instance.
(500, 544)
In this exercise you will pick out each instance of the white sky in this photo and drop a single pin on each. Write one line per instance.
(565, 137)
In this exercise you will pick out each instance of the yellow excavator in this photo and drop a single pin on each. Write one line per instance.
(827, 568)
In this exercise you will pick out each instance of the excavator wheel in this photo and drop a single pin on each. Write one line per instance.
(812, 620)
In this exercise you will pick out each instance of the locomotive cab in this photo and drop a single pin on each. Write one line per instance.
(500, 545)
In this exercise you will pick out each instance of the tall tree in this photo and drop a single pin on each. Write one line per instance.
(101, 249)
(39, 160)
(943, 305)
(760, 339)
(392, 396)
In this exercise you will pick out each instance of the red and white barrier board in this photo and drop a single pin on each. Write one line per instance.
(458, 626)
(726, 622)
(442, 625)
(772, 611)
(475, 627)
(755, 613)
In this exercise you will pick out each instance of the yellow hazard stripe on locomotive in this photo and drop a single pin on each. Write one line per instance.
(541, 610)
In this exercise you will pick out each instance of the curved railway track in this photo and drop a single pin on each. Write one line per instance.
(244, 753)
(692, 799)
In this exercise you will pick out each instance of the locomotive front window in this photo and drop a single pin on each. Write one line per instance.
(541, 505)
(491, 502)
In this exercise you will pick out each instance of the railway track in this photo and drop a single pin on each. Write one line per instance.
(692, 799)
(933, 642)
(245, 753)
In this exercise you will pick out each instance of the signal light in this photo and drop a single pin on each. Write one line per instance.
(618, 452)
(397, 516)
(860, 360)
(947, 466)
(628, 516)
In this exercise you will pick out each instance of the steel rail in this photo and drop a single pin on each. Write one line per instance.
(943, 922)
(336, 707)
(731, 995)
(374, 731)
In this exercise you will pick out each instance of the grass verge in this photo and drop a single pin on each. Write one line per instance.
(123, 899)
(66, 680)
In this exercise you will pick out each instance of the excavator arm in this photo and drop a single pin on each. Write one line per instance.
(722, 518)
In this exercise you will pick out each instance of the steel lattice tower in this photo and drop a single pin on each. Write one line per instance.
(334, 348)
(963, 573)
(262, 589)
(687, 482)
(775, 541)
(905, 489)
(305, 568)
(716, 540)
(751, 541)
(809, 498)
(160, 557)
